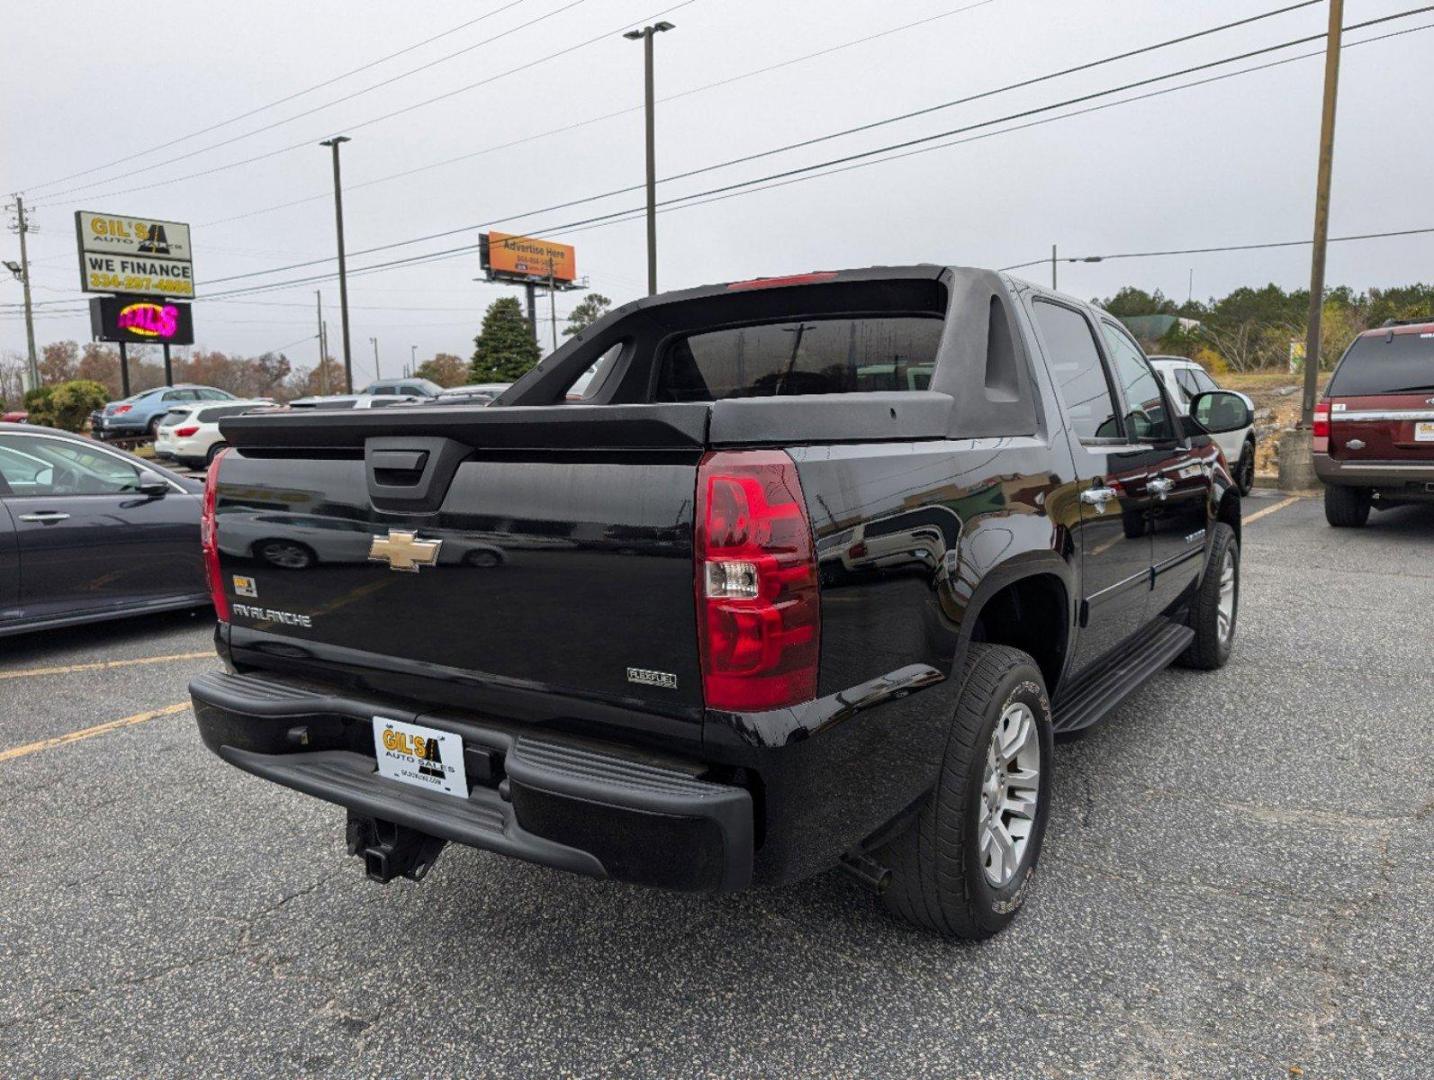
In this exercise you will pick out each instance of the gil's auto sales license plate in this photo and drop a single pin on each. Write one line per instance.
(1424, 431)
(421, 756)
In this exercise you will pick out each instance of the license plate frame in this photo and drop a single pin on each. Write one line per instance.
(422, 757)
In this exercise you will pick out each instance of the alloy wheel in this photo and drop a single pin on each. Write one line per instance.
(1226, 616)
(1006, 812)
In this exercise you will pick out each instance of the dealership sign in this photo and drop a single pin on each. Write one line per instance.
(142, 256)
(139, 319)
(526, 258)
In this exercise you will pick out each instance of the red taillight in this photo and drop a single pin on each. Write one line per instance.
(186, 431)
(209, 539)
(122, 409)
(1321, 420)
(758, 621)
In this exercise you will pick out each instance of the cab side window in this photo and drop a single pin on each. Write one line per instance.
(1146, 418)
(1075, 362)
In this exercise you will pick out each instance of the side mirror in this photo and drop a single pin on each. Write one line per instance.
(1219, 411)
(152, 484)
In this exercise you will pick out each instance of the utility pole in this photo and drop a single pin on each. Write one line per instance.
(645, 35)
(1053, 267)
(553, 303)
(334, 144)
(531, 292)
(412, 359)
(319, 311)
(324, 387)
(376, 373)
(23, 227)
(1321, 224)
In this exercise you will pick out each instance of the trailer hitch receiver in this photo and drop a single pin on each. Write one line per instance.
(389, 850)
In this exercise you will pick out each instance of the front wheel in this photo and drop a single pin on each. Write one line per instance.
(963, 867)
(1216, 606)
(1347, 507)
(1245, 469)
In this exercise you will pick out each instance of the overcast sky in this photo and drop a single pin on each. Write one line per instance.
(1229, 162)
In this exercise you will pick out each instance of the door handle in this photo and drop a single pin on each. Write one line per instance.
(1161, 486)
(45, 517)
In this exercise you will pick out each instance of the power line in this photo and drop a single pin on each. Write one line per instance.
(317, 108)
(280, 101)
(610, 115)
(1217, 248)
(785, 178)
(866, 153)
(55, 196)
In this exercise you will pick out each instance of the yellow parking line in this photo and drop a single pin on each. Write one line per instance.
(1267, 511)
(90, 732)
(101, 665)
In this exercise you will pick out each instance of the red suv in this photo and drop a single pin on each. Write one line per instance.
(1374, 430)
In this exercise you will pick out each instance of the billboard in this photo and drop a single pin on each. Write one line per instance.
(138, 319)
(526, 258)
(143, 256)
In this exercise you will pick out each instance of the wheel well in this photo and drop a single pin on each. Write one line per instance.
(1031, 614)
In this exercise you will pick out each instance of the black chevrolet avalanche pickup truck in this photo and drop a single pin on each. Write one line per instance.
(743, 583)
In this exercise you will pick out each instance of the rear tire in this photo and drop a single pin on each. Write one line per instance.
(1347, 507)
(1215, 611)
(214, 453)
(963, 866)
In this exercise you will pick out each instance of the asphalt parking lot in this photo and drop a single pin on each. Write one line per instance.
(1238, 881)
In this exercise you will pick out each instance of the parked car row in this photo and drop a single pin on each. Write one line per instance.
(140, 414)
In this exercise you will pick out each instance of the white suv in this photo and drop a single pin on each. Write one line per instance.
(190, 433)
(1184, 379)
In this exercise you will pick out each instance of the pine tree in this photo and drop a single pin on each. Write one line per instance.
(504, 348)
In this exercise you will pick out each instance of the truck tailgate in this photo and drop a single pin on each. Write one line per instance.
(461, 555)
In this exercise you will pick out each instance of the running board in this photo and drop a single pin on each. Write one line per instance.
(1112, 681)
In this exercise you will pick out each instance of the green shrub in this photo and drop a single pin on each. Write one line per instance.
(66, 406)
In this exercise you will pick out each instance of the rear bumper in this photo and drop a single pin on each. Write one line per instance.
(1394, 479)
(557, 803)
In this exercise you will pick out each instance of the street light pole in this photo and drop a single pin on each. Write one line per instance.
(334, 145)
(376, 373)
(412, 359)
(645, 35)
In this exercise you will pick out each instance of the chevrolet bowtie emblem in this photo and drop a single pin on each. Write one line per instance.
(403, 550)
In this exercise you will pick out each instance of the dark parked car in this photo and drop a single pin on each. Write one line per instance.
(1374, 429)
(88, 532)
(754, 619)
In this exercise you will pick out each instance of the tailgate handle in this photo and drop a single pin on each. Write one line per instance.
(399, 460)
(411, 474)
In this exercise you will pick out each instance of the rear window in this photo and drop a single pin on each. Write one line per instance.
(1386, 364)
(807, 356)
(175, 416)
